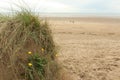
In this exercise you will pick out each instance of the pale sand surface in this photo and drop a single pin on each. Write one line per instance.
(89, 47)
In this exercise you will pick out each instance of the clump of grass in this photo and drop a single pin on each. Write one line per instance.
(21, 33)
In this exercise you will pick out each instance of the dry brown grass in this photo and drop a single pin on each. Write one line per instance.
(19, 34)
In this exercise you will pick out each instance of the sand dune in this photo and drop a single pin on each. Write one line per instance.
(89, 47)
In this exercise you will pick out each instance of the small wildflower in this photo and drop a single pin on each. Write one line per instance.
(56, 55)
(42, 50)
(30, 64)
(29, 52)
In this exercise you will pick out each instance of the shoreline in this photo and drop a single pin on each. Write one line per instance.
(84, 19)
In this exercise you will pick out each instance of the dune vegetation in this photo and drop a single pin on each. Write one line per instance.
(27, 49)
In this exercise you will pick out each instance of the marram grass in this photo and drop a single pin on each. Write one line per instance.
(27, 49)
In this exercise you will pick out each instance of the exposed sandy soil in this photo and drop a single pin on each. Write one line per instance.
(89, 47)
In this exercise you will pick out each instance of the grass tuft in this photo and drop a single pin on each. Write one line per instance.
(27, 49)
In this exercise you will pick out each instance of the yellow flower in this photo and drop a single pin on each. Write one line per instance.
(42, 50)
(29, 52)
(56, 55)
(30, 64)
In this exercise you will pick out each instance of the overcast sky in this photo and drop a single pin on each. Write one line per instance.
(64, 6)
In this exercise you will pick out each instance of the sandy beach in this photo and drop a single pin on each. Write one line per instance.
(89, 47)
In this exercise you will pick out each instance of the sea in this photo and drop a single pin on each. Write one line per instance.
(117, 15)
(114, 15)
